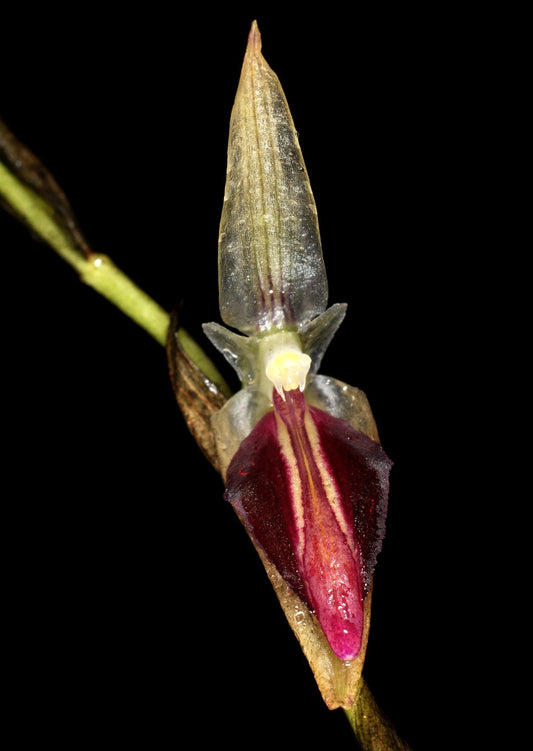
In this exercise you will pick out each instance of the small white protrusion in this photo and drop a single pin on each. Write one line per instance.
(288, 370)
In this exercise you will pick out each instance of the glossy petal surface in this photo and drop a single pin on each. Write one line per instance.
(312, 492)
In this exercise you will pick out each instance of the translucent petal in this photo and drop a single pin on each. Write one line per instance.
(235, 421)
(240, 351)
(343, 401)
(318, 333)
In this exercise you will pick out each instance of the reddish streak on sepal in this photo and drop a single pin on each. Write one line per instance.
(312, 493)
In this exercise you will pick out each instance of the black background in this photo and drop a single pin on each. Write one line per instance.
(140, 612)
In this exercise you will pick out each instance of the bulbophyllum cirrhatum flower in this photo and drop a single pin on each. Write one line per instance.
(299, 451)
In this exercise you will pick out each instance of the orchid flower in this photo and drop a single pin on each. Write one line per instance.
(299, 451)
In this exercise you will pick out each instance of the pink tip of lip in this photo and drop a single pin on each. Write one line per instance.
(347, 644)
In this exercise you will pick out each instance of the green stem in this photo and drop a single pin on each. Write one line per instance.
(99, 272)
(198, 356)
(39, 215)
(373, 730)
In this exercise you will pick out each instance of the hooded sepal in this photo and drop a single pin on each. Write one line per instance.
(271, 270)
